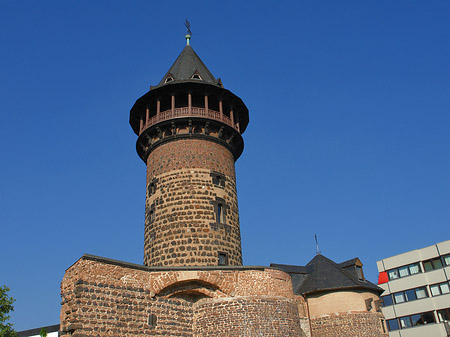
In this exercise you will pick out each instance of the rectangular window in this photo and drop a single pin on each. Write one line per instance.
(435, 290)
(152, 215)
(439, 289)
(405, 322)
(437, 263)
(359, 272)
(421, 292)
(415, 319)
(393, 274)
(446, 259)
(219, 214)
(387, 300)
(428, 266)
(432, 264)
(392, 324)
(152, 187)
(152, 319)
(444, 315)
(399, 298)
(428, 317)
(410, 295)
(403, 271)
(223, 259)
(218, 179)
(220, 209)
(405, 296)
(414, 268)
(410, 321)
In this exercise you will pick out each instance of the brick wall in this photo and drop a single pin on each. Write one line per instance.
(102, 297)
(190, 153)
(186, 181)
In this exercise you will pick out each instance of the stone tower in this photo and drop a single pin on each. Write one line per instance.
(189, 134)
(189, 129)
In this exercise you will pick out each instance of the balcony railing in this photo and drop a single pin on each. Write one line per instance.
(188, 112)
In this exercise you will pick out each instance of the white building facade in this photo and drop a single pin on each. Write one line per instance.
(52, 331)
(416, 297)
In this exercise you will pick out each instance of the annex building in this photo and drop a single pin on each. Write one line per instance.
(416, 297)
(192, 282)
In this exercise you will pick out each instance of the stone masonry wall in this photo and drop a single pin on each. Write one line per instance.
(247, 316)
(345, 313)
(357, 324)
(102, 297)
(187, 181)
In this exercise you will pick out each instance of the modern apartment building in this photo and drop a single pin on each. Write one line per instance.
(416, 297)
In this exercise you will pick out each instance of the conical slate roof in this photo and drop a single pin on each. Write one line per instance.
(322, 274)
(188, 67)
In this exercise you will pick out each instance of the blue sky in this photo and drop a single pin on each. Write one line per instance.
(348, 136)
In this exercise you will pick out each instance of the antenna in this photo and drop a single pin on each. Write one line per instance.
(317, 245)
(188, 33)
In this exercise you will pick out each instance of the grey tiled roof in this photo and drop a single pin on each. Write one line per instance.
(322, 274)
(185, 66)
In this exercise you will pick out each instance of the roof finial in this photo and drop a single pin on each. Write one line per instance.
(317, 245)
(188, 33)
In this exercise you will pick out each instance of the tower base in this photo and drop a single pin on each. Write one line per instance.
(103, 297)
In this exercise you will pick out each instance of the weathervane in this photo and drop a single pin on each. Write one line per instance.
(317, 245)
(189, 33)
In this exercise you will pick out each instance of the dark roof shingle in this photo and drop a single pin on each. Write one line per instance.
(188, 64)
(322, 274)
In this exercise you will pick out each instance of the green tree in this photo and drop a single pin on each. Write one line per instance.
(6, 305)
(43, 332)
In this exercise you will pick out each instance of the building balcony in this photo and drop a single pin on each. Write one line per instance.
(187, 112)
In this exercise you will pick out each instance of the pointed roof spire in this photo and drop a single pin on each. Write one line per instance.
(188, 67)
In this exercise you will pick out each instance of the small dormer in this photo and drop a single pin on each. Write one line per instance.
(196, 76)
(168, 79)
(359, 270)
(353, 267)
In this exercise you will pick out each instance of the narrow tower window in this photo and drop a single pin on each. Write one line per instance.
(152, 187)
(152, 215)
(218, 179)
(219, 214)
(223, 259)
(220, 211)
(152, 319)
